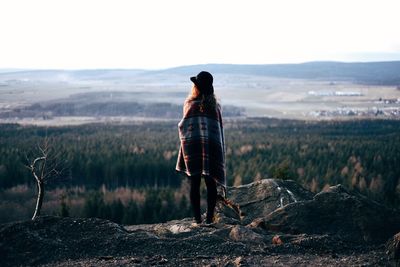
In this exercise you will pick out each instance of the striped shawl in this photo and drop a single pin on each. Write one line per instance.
(202, 149)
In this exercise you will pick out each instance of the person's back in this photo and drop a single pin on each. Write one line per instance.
(202, 151)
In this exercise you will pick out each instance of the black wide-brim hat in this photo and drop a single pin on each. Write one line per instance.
(204, 82)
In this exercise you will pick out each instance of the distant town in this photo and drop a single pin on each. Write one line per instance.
(392, 111)
(334, 93)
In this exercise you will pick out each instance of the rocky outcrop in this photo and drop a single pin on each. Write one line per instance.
(285, 206)
(336, 212)
(281, 224)
(260, 198)
(393, 249)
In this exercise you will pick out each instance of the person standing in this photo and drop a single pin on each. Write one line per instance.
(202, 144)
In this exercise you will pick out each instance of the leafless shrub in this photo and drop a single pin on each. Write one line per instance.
(47, 165)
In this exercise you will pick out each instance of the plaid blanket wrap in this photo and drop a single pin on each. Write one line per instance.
(202, 149)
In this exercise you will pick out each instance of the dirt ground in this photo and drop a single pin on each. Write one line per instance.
(54, 241)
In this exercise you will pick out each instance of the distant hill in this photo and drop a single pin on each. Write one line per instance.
(374, 73)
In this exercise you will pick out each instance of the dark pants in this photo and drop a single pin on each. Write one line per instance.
(195, 197)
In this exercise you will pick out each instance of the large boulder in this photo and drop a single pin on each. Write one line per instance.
(393, 249)
(260, 198)
(337, 212)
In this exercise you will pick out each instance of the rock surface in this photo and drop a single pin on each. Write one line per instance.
(393, 249)
(263, 197)
(336, 212)
(278, 228)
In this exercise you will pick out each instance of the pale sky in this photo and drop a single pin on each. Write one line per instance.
(151, 34)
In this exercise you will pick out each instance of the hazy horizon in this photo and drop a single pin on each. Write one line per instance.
(396, 57)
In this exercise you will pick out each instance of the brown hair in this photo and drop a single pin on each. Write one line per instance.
(207, 101)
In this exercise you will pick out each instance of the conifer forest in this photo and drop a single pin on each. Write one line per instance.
(126, 173)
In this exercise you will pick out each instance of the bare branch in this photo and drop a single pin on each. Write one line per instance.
(27, 160)
(32, 167)
(35, 161)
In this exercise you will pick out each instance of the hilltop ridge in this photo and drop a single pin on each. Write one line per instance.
(376, 73)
